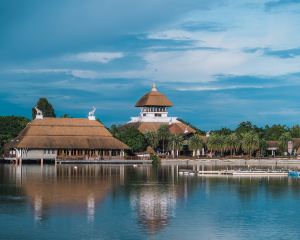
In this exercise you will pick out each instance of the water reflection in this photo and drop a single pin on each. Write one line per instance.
(153, 198)
(69, 188)
(154, 205)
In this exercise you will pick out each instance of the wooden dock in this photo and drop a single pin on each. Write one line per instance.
(258, 173)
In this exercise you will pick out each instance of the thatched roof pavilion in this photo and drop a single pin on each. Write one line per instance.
(72, 138)
(60, 133)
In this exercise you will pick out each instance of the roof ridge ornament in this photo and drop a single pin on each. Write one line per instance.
(92, 114)
(39, 113)
(186, 130)
(154, 89)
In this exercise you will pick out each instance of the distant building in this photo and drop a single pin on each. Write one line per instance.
(273, 147)
(64, 138)
(154, 113)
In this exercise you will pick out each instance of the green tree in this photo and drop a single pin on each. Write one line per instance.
(46, 108)
(274, 132)
(232, 143)
(295, 131)
(163, 136)
(130, 136)
(152, 139)
(263, 147)
(283, 141)
(66, 116)
(223, 131)
(196, 143)
(10, 127)
(216, 143)
(176, 142)
(245, 127)
(250, 142)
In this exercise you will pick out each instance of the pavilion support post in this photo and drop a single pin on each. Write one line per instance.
(42, 162)
(122, 154)
(109, 154)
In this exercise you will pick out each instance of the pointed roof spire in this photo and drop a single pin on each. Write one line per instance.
(154, 89)
(154, 99)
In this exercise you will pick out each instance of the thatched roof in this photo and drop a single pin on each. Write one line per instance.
(61, 133)
(272, 144)
(154, 98)
(174, 128)
(275, 144)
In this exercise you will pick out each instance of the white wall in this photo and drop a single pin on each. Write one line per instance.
(38, 154)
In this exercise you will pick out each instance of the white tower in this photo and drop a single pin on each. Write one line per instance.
(154, 107)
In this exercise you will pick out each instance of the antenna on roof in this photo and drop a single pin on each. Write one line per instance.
(39, 113)
(92, 114)
(154, 89)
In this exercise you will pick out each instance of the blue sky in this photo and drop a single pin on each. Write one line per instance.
(220, 62)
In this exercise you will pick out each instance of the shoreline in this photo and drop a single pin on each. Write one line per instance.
(232, 162)
(183, 162)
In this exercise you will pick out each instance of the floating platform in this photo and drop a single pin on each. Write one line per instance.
(257, 173)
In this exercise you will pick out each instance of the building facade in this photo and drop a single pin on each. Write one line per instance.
(154, 113)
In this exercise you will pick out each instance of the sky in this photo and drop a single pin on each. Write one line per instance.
(220, 62)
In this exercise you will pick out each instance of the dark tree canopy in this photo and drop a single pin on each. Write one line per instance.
(295, 131)
(130, 136)
(10, 126)
(223, 131)
(244, 127)
(46, 108)
(275, 132)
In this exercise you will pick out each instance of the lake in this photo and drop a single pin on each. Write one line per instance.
(143, 202)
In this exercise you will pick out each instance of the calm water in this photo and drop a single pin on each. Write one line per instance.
(126, 202)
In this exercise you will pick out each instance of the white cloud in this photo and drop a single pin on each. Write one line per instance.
(205, 65)
(79, 73)
(100, 57)
(247, 27)
(217, 88)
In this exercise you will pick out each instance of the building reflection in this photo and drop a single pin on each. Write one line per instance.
(68, 188)
(154, 206)
(154, 199)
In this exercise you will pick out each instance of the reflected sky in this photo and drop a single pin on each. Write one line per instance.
(143, 202)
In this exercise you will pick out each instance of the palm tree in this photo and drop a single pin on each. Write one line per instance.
(232, 143)
(283, 141)
(163, 135)
(262, 147)
(152, 139)
(176, 144)
(250, 142)
(216, 143)
(196, 143)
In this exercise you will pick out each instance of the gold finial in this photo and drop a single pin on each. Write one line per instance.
(154, 87)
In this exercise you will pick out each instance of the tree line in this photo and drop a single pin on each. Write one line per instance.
(161, 141)
(246, 139)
